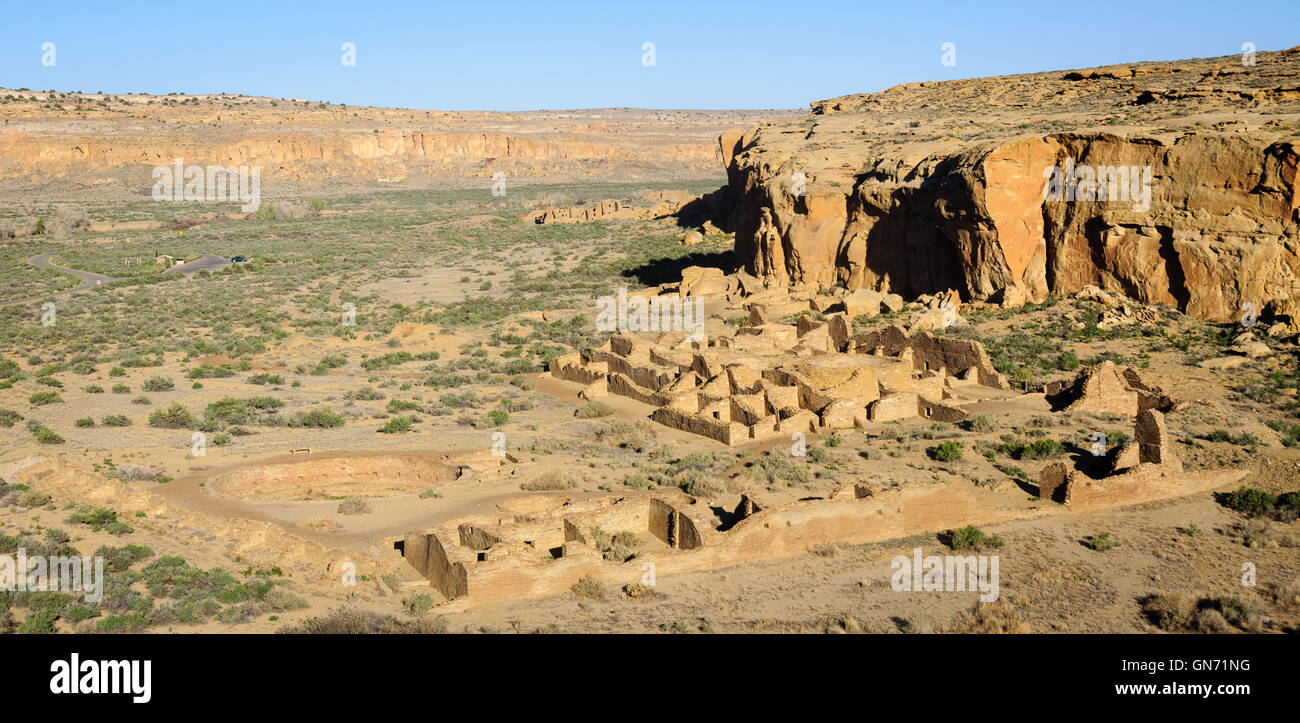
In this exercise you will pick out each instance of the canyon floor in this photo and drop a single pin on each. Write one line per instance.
(238, 441)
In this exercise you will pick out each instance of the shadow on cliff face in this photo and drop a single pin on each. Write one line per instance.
(663, 271)
(714, 206)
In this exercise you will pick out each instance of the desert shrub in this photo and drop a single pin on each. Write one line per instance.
(1178, 613)
(32, 498)
(118, 559)
(999, 617)
(209, 371)
(772, 468)
(42, 433)
(1102, 542)
(637, 482)
(7, 418)
(350, 621)
(978, 423)
(265, 378)
(552, 480)
(231, 411)
(462, 400)
(401, 405)
(589, 588)
(497, 417)
(637, 591)
(175, 416)
(115, 420)
(418, 604)
(1168, 611)
(397, 424)
(593, 409)
(945, 451)
(40, 399)
(354, 506)
(1036, 449)
(1249, 501)
(322, 417)
(971, 538)
(100, 518)
(85, 422)
(158, 384)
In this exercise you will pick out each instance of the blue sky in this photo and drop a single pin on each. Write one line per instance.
(503, 55)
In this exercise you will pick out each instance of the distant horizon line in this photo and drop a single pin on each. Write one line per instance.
(807, 106)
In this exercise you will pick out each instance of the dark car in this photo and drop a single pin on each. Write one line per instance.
(239, 259)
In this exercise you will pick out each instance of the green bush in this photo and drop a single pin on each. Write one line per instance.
(971, 538)
(397, 424)
(42, 398)
(116, 420)
(1250, 501)
(175, 416)
(158, 384)
(1102, 542)
(945, 451)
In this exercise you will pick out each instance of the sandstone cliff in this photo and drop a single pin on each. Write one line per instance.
(65, 139)
(939, 185)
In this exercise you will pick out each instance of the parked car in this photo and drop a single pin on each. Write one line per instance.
(238, 259)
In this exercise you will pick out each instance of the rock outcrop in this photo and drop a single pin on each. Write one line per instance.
(1010, 188)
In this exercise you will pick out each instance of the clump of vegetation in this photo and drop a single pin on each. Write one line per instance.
(945, 451)
(1101, 542)
(1178, 613)
(158, 384)
(552, 480)
(40, 399)
(776, 467)
(418, 604)
(115, 420)
(999, 617)
(175, 416)
(1244, 439)
(396, 424)
(354, 506)
(352, 621)
(971, 538)
(637, 591)
(1254, 502)
(589, 588)
(1036, 449)
(42, 433)
(594, 409)
(266, 378)
(100, 519)
(978, 423)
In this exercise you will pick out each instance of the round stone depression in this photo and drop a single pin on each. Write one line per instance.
(335, 476)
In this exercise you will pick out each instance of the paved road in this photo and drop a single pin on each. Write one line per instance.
(89, 279)
(208, 262)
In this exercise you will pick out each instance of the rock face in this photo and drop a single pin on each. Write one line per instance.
(113, 141)
(931, 186)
